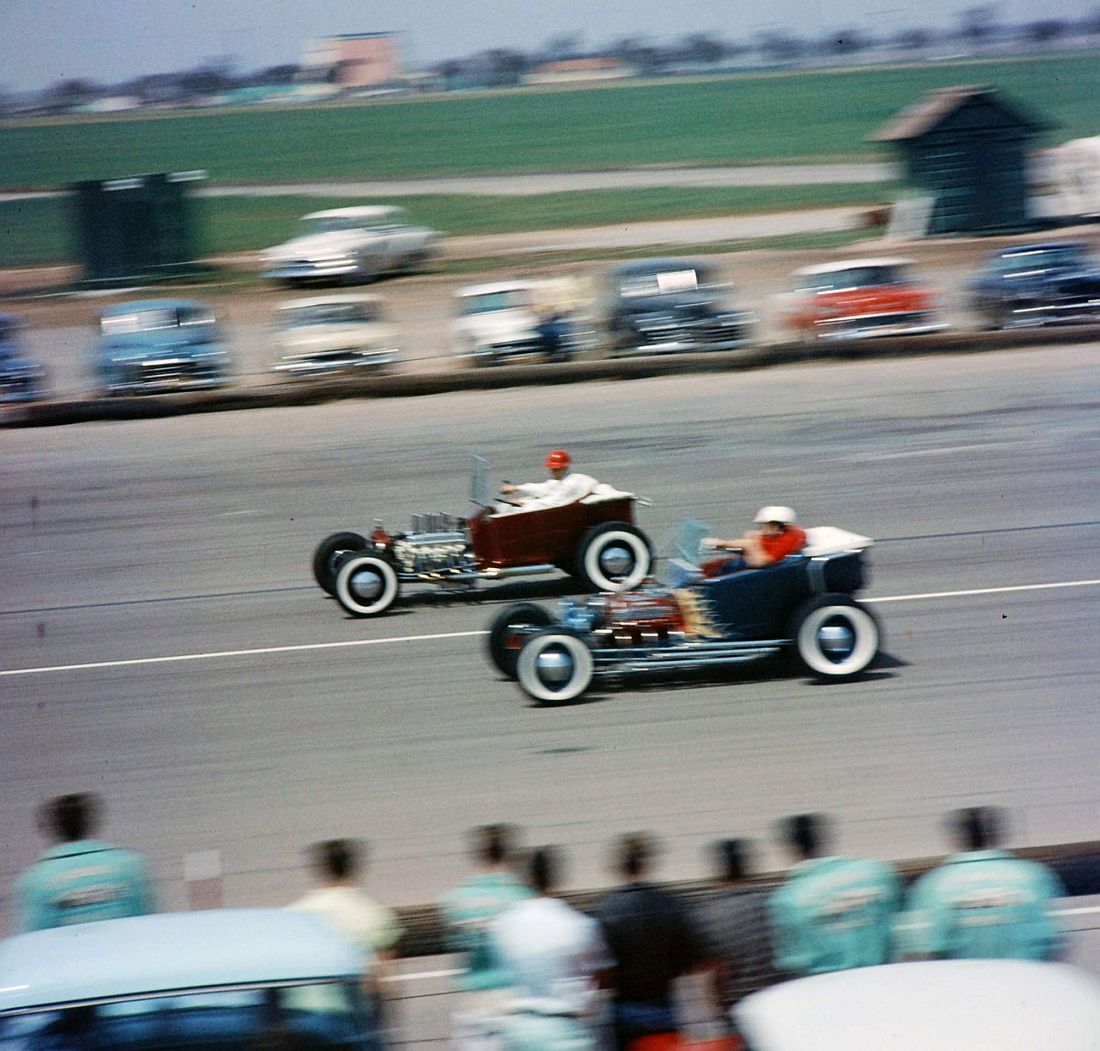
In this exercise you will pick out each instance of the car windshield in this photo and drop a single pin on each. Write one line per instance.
(661, 282)
(316, 1016)
(332, 224)
(490, 302)
(852, 277)
(147, 320)
(330, 314)
(1042, 259)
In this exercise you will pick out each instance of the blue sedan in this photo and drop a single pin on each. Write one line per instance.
(159, 344)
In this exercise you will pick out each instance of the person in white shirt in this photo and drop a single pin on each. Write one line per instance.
(556, 961)
(340, 902)
(562, 487)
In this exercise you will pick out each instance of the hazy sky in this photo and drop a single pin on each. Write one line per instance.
(42, 41)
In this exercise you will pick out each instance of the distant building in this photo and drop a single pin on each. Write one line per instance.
(571, 70)
(353, 60)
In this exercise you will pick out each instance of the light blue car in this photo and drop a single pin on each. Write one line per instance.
(159, 344)
(22, 378)
(205, 981)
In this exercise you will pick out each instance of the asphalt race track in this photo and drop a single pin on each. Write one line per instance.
(268, 719)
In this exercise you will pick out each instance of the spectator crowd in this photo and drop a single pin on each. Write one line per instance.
(537, 973)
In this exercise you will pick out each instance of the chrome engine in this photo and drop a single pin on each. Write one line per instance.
(434, 542)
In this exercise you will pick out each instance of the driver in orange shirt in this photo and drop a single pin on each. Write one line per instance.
(775, 537)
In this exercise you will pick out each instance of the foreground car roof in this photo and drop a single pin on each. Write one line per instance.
(362, 211)
(851, 264)
(945, 1005)
(658, 266)
(169, 952)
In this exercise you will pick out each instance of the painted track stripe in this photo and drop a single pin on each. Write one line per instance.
(986, 591)
(243, 653)
(306, 647)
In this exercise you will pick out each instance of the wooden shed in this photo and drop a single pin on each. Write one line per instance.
(967, 148)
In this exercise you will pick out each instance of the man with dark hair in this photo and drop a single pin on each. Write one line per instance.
(80, 879)
(468, 910)
(735, 924)
(650, 934)
(555, 961)
(982, 902)
(340, 901)
(833, 912)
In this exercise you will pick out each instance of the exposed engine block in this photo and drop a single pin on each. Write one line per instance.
(425, 552)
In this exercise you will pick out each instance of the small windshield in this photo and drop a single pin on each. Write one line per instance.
(333, 224)
(1042, 259)
(330, 314)
(490, 302)
(316, 1016)
(853, 277)
(661, 282)
(148, 320)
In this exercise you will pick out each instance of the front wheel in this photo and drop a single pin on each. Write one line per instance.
(835, 637)
(510, 628)
(614, 556)
(327, 555)
(366, 585)
(555, 666)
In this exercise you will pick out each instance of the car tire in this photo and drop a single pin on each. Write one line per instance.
(555, 666)
(366, 584)
(507, 634)
(328, 553)
(614, 556)
(835, 637)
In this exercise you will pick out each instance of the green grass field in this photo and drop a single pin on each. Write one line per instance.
(37, 231)
(734, 119)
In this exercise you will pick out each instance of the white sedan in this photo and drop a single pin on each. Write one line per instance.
(351, 244)
(934, 1005)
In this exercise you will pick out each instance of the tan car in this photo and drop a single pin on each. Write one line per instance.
(327, 335)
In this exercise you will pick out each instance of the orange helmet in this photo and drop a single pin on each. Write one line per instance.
(557, 458)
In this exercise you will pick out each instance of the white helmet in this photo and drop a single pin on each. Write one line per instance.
(784, 515)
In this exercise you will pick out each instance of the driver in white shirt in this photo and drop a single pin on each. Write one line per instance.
(564, 486)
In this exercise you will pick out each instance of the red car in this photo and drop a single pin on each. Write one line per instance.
(860, 298)
(594, 539)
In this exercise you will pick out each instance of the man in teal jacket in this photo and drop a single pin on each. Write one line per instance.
(982, 902)
(833, 913)
(80, 879)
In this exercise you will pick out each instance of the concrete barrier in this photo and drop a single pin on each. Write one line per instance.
(406, 385)
(1076, 864)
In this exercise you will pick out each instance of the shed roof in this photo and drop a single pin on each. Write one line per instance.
(938, 106)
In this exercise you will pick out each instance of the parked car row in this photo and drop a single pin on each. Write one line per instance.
(649, 306)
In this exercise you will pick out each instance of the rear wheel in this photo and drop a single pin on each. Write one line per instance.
(510, 629)
(366, 585)
(328, 554)
(835, 637)
(555, 666)
(614, 556)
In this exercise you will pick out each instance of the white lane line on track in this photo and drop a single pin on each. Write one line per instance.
(986, 591)
(304, 647)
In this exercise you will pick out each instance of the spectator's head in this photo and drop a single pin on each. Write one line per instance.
(337, 860)
(491, 845)
(731, 860)
(72, 817)
(977, 827)
(544, 870)
(807, 835)
(634, 855)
